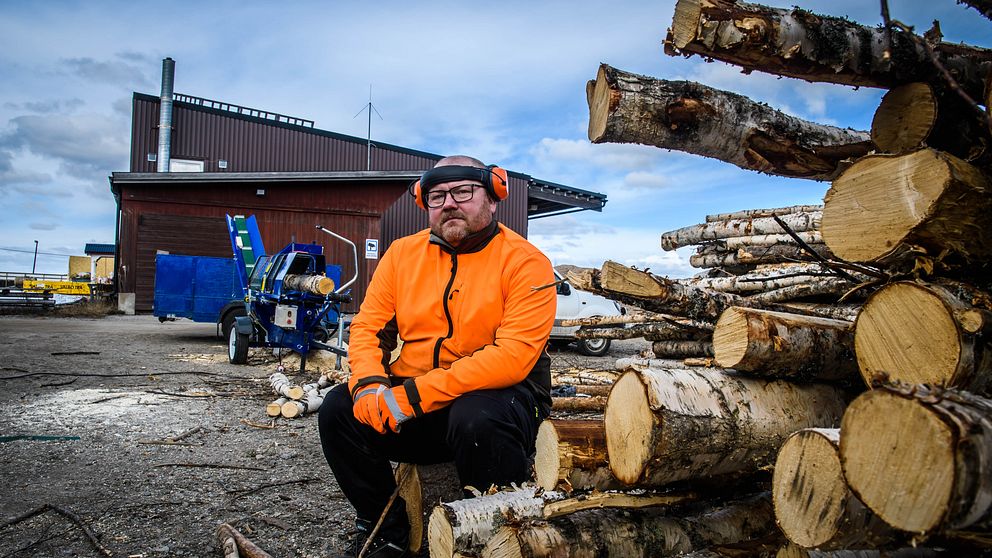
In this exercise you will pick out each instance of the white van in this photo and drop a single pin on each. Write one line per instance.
(572, 304)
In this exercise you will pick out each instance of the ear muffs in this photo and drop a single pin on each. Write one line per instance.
(494, 179)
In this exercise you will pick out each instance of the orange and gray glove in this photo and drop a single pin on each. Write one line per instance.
(382, 408)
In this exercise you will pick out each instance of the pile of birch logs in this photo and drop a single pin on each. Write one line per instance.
(873, 418)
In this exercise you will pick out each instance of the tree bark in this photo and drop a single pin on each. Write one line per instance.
(921, 458)
(925, 333)
(681, 349)
(667, 425)
(694, 118)
(313, 284)
(838, 311)
(711, 256)
(813, 505)
(822, 286)
(633, 534)
(800, 44)
(246, 548)
(779, 345)
(913, 115)
(736, 242)
(282, 386)
(754, 213)
(309, 403)
(594, 404)
(639, 318)
(464, 526)
(941, 205)
(762, 279)
(696, 234)
(572, 453)
(665, 331)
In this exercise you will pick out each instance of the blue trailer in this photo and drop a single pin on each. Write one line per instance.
(199, 288)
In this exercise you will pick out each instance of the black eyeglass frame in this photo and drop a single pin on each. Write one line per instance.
(451, 192)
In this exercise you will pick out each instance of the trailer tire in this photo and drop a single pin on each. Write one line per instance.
(227, 320)
(594, 347)
(237, 347)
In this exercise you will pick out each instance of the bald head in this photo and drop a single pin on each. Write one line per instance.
(460, 160)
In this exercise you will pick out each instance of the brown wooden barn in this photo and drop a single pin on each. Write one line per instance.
(228, 159)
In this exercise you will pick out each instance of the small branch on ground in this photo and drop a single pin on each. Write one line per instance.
(269, 426)
(66, 513)
(210, 466)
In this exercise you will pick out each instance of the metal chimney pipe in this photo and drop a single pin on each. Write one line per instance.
(165, 115)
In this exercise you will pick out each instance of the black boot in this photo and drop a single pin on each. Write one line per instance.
(392, 540)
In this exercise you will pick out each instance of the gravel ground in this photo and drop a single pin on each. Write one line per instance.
(104, 388)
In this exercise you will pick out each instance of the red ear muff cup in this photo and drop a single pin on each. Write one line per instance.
(417, 198)
(499, 185)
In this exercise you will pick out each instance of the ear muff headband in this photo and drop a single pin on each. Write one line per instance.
(493, 179)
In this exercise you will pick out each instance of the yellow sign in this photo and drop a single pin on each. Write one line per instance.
(60, 287)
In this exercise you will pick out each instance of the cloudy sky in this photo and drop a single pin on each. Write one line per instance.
(504, 81)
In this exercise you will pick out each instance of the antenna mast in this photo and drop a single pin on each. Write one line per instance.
(368, 148)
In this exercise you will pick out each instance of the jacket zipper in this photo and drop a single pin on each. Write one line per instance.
(447, 312)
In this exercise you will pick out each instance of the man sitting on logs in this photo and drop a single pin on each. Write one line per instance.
(472, 381)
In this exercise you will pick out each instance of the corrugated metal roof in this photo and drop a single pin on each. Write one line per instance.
(92, 249)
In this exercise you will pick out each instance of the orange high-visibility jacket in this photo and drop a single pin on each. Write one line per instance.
(468, 320)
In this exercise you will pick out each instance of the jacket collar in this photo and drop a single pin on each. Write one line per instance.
(472, 243)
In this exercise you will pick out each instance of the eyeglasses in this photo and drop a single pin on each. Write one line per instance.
(459, 194)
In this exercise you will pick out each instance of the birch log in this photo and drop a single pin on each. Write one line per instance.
(667, 425)
(681, 349)
(313, 284)
(246, 548)
(282, 386)
(733, 243)
(813, 505)
(941, 205)
(274, 409)
(926, 333)
(594, 404)
(753, 255)
(753, 213)
(664, 331)
(835, 311)
(780, 345)
(797, 43)
(694, 118)
(695, 234)
(834, 286)
(640, 533)
(913, 115)
(762, 279)
(572, 453)
(308, 404)
(921, 458)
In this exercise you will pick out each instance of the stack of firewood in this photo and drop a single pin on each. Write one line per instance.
(675, 464)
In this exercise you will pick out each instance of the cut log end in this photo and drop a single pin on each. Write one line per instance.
(599, 105)
(504, 544)
(906, 332)
(730, 338)
(440, 535)
(547, 460)
(866, 189)
(904, 118)
(808, 487)
(629, 425)
(886, 439)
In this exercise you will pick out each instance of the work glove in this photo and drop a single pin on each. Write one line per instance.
(382, 408)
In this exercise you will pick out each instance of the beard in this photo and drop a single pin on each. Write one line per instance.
(454, 226)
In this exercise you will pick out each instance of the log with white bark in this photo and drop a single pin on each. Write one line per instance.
(921, 458)
(572, 454)
(913, 115)
(245, 548)
(594, 404)
(768, 212)
(797, 43)
(837, 311)
(308, 404)
(813, 505)
(889, 208)
(681, 349)
(282, 386)
(753, 255)
(780, 345)
(639, 318)
(926, 333)
(667, 425)
(762, 279)
(313, 284)
(464, 526)
(274, 409)
(755, 240)
(664, 331)
(640, 533)
(696, 234)
(833, 286)
(694, 118)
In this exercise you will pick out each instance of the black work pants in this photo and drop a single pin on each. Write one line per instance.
(489, 434)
